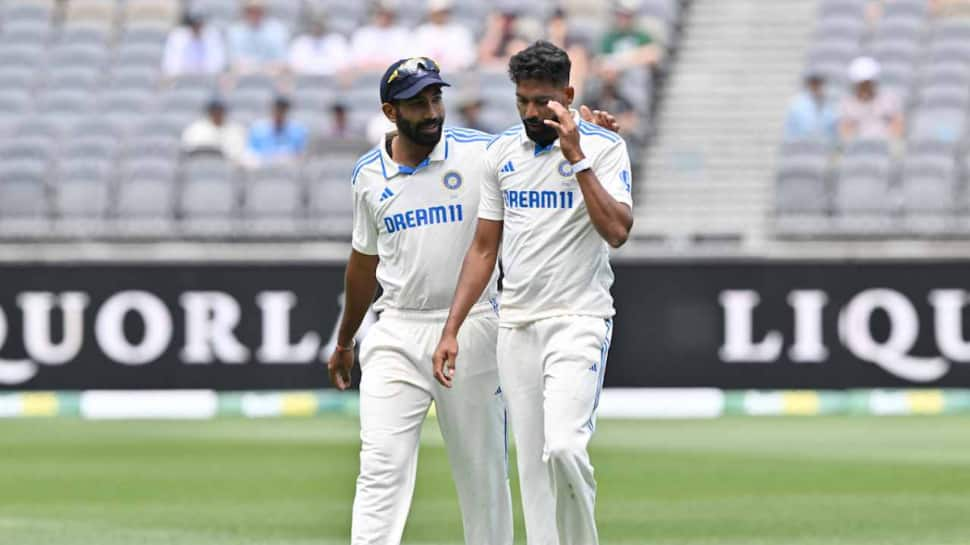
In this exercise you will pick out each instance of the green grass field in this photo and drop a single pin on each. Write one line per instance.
(732, 481)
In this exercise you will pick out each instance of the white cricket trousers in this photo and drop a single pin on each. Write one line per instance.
(396, 389)
(551, 373)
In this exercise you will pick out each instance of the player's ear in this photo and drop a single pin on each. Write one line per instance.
(390, 112)
(570, 95)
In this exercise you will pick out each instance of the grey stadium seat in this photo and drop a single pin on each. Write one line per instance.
(85, 168)
(272, 206)
(208, 207)
(209, 168)
(17, 77)
(65, 107)
(862, 185)
(802, 187)
(944, 96)
(26, 55)
(899, 28)
(947, 124)
(14, 101)
(24, 205)
(864, 148)
(896, 51)
(256, 82)
(848, 8)
(915, 9)
(85, 33)
(929, 184)
(331, 206)
(947, 73)
(134, 77)
(99, 147)
(139, 54)
(78, 78)
(69, 55)
(839, 27)
(145, 206)
(157, 167)
(29, 147)
(26, 32)
(80, 205)
(144, 32)
(35, 10)
(949, 51)
(805, 147)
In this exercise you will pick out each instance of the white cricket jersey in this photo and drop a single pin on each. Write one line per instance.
(420, 221)
(555, 262)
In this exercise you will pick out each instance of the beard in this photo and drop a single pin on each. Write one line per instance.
(539, 132)
(416, 132)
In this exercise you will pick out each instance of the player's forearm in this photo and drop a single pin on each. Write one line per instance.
(611, 218)
(360, 284)
(476, 271)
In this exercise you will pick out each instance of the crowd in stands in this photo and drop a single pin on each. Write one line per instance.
(865, 110)
(876, 143)
(258, 44)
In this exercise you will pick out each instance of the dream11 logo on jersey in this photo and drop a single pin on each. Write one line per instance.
(209, 320)
(854, 331)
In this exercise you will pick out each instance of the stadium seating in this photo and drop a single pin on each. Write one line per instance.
(918, 188)
(90, 127)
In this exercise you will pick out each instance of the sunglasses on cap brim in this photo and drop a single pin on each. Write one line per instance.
(415, 66)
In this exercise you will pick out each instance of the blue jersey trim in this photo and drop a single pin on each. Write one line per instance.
(362, 162)
(595, 130)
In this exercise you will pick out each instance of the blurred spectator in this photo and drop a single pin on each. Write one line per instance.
(257, 43)
(950, 8)
(319, 53)
(625, 44)
(810, 116)
(214, 134)
(447, 42)
(868, 113)
(382, 42)
(609, 97)
(339, 122)
(194, 48)
(278, 138)
(557, 32)
(499, 38)
(470, 114)
(377, 128)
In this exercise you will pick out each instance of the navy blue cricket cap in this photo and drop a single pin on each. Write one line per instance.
(407, 77)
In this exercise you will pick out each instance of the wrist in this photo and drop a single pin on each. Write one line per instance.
(580, 165)
(574, 157)
(449, 330)
(345, 347)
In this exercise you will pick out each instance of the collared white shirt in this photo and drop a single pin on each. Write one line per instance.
(319, 56)
(380, 46)
(420, 221)
(555, 262)
(451, 45)
(187, 54)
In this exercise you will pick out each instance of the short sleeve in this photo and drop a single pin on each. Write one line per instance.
(612, 168)
(491, 206)
(364, 238)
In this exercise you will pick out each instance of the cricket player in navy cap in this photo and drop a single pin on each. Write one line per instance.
(416, 199)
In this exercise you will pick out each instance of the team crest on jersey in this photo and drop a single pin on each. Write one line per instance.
(565, 168)
(452, 180)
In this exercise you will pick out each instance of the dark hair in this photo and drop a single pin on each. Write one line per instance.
(540, 61)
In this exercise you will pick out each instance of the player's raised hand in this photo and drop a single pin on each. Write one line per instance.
(568, 132)
(339, 366)
(444, 360)
(602, 118)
